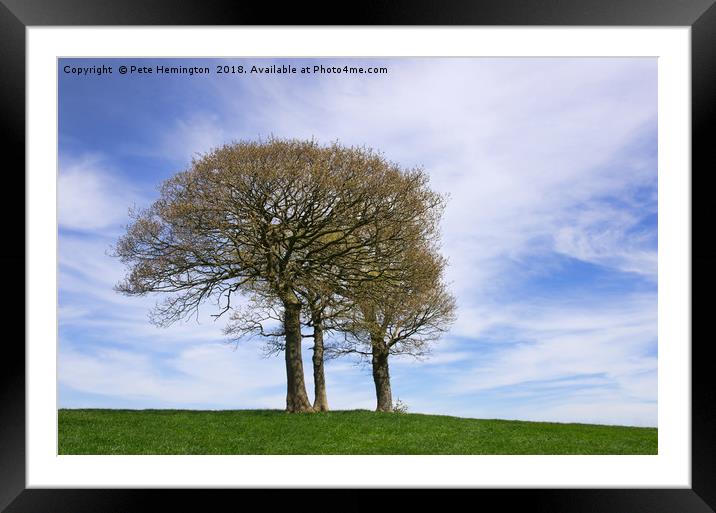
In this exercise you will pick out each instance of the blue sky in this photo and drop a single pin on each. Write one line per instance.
(550, 230)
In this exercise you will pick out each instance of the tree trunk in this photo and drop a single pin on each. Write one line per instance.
(320, 402)
(296, 397)
(381, 376)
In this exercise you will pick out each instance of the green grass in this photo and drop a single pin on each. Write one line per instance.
(337, 432)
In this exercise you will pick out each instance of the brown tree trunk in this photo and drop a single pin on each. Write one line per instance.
(296, 397)
(320, 402)
(381, 376)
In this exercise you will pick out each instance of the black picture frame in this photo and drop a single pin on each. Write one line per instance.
(700, 15)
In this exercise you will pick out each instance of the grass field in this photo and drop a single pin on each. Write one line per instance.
(337, 432)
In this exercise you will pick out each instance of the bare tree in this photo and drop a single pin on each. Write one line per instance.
(274, 218)
(400, 319)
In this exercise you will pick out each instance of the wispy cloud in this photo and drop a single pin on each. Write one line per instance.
(90, 197)
(196, 375)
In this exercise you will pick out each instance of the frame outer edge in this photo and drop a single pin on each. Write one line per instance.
(371, 12)
(12, 124)
(703, 112)
(12, 141)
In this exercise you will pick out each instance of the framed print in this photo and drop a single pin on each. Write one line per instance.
(433, 249)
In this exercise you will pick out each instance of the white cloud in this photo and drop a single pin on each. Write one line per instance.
(194, 135)
(605, 236)
(581, 363)
(89, 197)
(205, 374)
(613, 339)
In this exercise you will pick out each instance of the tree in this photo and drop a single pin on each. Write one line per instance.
(400, 319)
(261, 318)
(322, 306)
(273, 219)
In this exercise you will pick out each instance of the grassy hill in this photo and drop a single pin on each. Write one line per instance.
(337, 432)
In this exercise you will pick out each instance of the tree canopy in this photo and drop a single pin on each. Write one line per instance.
(289, 221)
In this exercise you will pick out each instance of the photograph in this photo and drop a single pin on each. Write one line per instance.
(357, 256)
